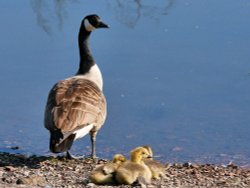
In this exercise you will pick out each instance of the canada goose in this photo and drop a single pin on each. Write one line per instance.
(76, 106)
(104, 174)
(134, 169)
(158, 170)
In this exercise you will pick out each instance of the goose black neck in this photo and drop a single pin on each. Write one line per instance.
(86, 58)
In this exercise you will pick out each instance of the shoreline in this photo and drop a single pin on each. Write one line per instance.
(17, 170)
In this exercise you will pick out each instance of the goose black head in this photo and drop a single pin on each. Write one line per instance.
(92, 22)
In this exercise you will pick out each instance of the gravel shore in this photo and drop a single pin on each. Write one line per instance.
(21, 171)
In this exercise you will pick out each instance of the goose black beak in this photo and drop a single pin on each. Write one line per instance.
(102, 25)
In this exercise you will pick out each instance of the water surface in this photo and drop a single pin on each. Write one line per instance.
(176, 75)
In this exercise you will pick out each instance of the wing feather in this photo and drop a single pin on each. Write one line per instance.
(73, 103)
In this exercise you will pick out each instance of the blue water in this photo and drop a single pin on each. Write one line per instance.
(176, 75)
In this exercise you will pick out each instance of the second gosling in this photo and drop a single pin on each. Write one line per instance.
(134, 170)
(158, 170)
(104, 174)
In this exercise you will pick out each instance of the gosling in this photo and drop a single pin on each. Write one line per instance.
(104, 174)
(134, 170)
(157, 169)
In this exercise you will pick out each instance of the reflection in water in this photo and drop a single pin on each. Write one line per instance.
(128, 12)
(47, 10)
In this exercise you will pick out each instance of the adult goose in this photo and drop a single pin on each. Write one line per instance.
(76, 106)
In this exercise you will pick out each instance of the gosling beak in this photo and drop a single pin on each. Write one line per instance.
(102, 25)
(149, 157)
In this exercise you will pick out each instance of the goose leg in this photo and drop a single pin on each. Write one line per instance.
(69, 155)
(93, 144)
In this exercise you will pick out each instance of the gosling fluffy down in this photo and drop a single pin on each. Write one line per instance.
(104, 174)
(158, 170)
(134, 169)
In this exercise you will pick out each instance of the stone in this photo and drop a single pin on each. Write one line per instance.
(9, 168)
(32, 180)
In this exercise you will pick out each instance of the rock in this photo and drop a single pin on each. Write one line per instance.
(26, 173)
(194, 165)
(48, 172)
(90, 185)
(188, 164)
(32, 180)
(9, 168)
(233, 166)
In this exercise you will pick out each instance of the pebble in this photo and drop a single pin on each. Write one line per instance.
(50, 172)
(32, 180)
(90, 185)
(188, 164)
(9, 168)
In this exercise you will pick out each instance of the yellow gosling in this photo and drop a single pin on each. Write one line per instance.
(134, 169)
(104, 174)
(158, 169)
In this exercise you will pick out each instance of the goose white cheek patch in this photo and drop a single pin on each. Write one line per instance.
(88, 25)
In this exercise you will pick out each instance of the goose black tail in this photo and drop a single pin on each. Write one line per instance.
(60, 144)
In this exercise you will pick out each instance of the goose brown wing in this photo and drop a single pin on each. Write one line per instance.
(74, 103)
